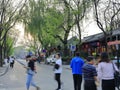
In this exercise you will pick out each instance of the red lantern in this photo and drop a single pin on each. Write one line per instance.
(98, 44)
(86, 46)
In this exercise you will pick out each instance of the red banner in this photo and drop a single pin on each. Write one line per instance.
(113, 42)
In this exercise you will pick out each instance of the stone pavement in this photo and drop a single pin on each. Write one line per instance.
(4, 69)
(15, 78)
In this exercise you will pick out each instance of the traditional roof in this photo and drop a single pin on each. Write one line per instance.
(116, 32)
(99, 36)
(93, 37)
(73, 40)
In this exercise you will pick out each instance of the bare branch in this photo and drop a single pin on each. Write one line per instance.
(112, 18)
(12, 24)
(97, 18)
(105, 15)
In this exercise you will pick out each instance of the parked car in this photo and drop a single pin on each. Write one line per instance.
(115, 61)
(51, 59)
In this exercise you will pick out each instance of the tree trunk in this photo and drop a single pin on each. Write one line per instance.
(5, 47)
(1, 61)
(65, 51)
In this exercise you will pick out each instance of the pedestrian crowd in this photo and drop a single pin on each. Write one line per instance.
(9, 60)
(94, 73)
(99, 72)
(31, 70)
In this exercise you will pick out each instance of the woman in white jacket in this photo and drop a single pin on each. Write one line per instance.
(106, 72)
(58, 70)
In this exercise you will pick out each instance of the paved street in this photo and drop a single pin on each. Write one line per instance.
(15, 78)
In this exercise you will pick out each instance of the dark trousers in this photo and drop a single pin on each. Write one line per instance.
(89, 85)
(11, 65)
(57, 78)
(77, 81)
(108, 84)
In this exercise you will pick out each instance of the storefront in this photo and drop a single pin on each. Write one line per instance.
(95, 44)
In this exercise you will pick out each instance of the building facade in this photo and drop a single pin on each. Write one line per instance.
(95, 44)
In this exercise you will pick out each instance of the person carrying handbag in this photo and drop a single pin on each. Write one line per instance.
(116, 76)
(106, 72)
(58, 70)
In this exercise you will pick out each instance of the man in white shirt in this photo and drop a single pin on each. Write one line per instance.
(6, 61)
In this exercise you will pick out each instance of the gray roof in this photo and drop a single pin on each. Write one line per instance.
(116, 32)
(99, 36)
(93, 37)
(73, 40)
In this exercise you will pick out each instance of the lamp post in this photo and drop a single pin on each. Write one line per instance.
(117, 48)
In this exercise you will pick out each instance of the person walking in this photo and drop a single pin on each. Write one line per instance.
(58, 70)
(12, 61)
(5, 61)
(97, 59)
(106, 72)
(31, 70)
(76, 65)
(8, 59)
(89, 74)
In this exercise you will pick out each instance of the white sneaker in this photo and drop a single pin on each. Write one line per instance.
(58, 89)
(37, 88)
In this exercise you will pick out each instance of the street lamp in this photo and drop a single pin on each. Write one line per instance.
(117, 48)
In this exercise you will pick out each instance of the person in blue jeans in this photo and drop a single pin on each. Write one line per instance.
(30, 73)
(76, 65)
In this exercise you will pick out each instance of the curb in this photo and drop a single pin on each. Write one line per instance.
(5, 71)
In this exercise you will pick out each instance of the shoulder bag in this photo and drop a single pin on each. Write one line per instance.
(116, 77)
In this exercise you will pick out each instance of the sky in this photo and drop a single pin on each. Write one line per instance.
(21, 34)
(90, 25)
(91, 29)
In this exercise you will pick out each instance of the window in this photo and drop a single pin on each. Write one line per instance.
(114, 38)
(118, 37)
